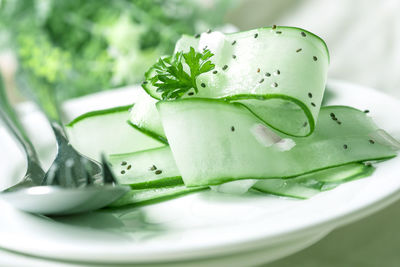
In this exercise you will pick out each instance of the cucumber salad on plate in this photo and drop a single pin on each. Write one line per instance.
(233, 113)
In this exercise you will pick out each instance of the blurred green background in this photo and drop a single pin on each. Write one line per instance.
(79, 47)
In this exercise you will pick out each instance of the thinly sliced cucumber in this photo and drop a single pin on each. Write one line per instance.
(308, 185)
(212, 142)
(285, 67)
(339, 174)
(303, 186)
(328, 185)
(135, 198)
(153, 168)
(144, 116)
(285, 188)
(107, 131)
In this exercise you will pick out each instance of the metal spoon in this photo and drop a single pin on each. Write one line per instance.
(73, 184)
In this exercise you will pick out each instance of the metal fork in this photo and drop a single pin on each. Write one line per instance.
(73, 184)
(67, 160)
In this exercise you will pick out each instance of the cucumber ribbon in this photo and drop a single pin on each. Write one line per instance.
(278, 73)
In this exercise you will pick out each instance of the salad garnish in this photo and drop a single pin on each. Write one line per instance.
(171, 78)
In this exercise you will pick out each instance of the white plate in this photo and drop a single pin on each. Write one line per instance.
(203, 225)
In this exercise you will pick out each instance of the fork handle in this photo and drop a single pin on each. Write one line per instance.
(11, 121)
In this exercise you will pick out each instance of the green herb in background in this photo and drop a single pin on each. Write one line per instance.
(79, 47)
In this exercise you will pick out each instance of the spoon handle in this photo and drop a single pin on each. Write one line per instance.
(11, 121)
(46, 100)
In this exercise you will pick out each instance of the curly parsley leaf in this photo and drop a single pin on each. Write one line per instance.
(170, 78)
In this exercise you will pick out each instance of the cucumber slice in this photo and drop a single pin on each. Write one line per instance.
(212, 142)
(308, 185)
(285, 188)
(144, 117)
(185, 42)
(286, 67)
(153, 168)
(303, 186)
(343, 173)
(135, 198)
(106, 131)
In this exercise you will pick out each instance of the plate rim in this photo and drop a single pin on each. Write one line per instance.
(341, 218)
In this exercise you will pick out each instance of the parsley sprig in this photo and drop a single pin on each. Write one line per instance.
(171, 79)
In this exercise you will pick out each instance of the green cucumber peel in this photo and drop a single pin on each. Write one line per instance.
(97, 113)
(148, 132)
(144, 117)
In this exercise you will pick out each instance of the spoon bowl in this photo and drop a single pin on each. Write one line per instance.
(73, 184)
(56, 200)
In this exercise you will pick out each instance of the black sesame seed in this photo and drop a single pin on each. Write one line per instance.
(274, 27)
(274, 85)
(368, 164)
(209, 31)
(315, 58)
(366, 111)
(234, 42)
(158, 172)
(303, 34)
(256, 35)
(153, 168)
(197, 36)
(339, 122)
(190, 93)
(225, 67)
(334, 118)
(123, 163)
(145, 82)
(278, 32)
(233, 56)
(332, 115)
(129, 167)
(277, 72)
(232, 128)
(267, 74)
(261, 80)
(345, 146)
(371, 141)
(305, 124)
(215, 72)
(298, 50)
(203, 85)
(122, 172)
(313, 104)
(309, 95)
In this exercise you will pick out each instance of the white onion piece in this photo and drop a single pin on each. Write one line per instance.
(264, 135)
(381, 136)
(236, 187)
(285, 144)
